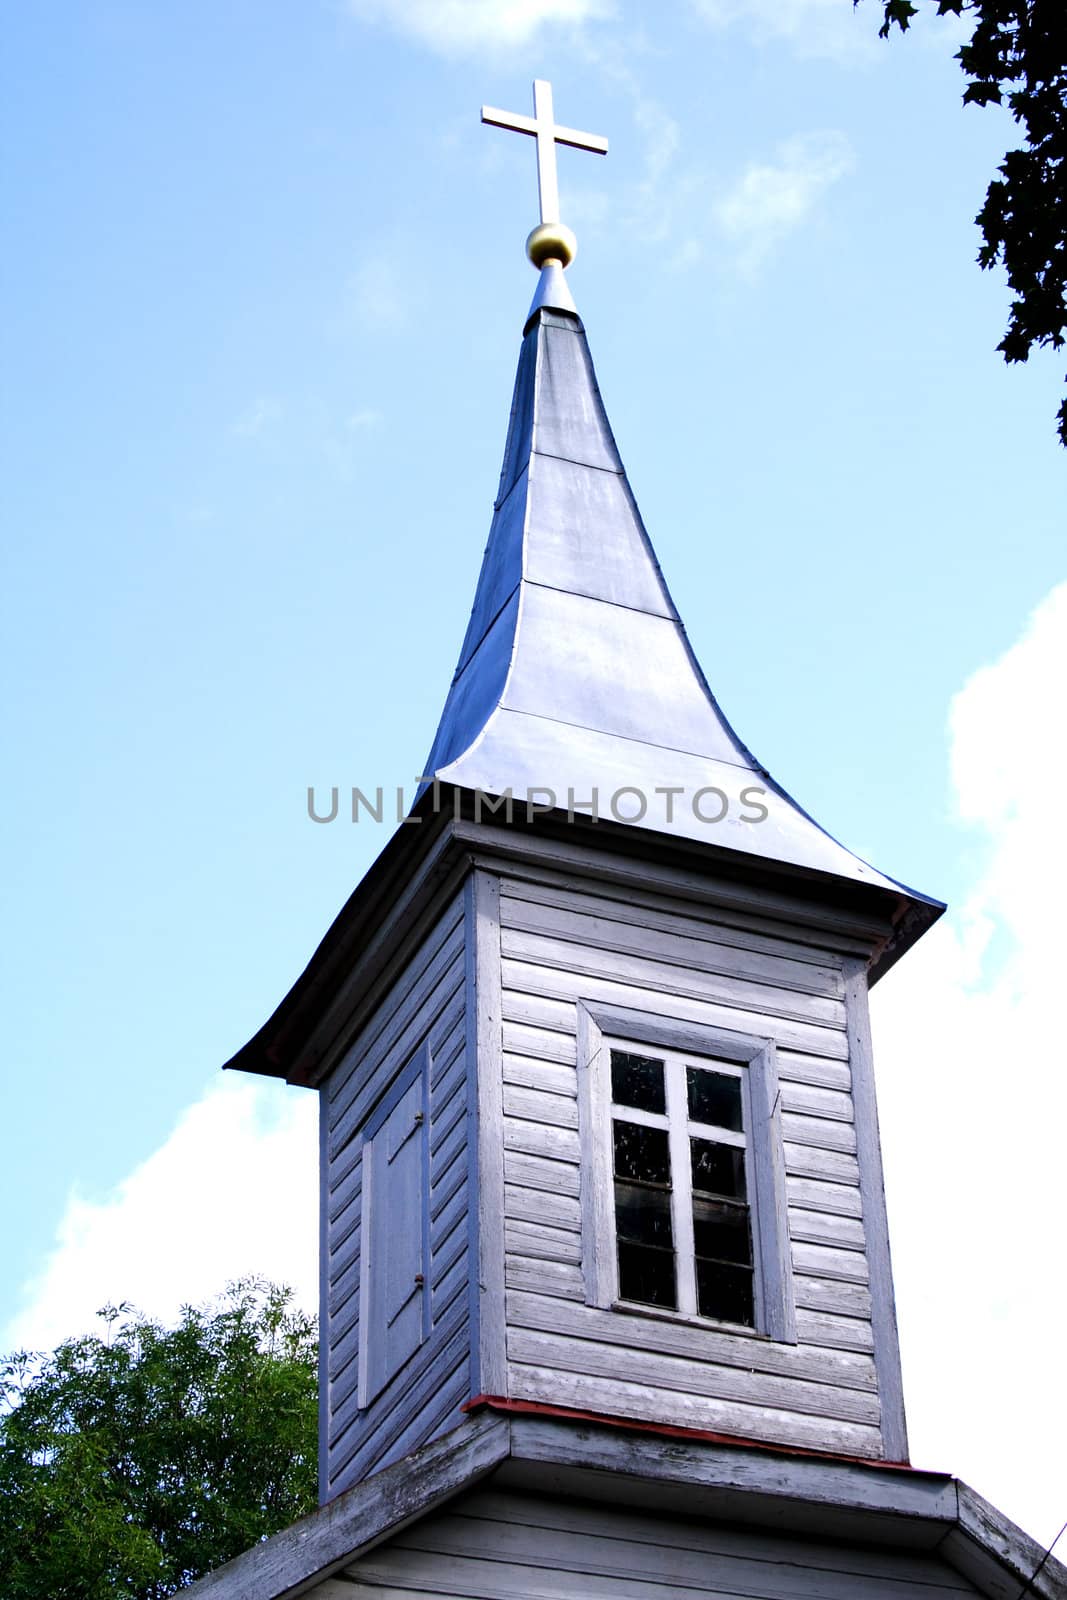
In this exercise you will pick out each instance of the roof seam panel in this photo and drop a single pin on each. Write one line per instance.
(576, 461)
(619, 605)
(466, 663)
(647, 744)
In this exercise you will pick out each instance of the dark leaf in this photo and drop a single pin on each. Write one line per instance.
(1017, 54)
(132, 1464)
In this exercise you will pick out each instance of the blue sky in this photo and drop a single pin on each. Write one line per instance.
(263, 310)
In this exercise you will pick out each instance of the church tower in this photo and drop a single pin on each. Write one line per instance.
(601, 1204)
(598, 1120)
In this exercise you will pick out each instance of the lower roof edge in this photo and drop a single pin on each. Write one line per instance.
(826, 1497)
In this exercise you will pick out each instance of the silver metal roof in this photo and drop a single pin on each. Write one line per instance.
(576, 673)
(575, 677)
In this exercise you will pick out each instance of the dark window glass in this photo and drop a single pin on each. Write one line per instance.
(637, 1081)
(725, 1293)
(647, 1275)
(717, 1168)
(641, 1153)
(643, 1215)
(714, 1097)
(721, 1231)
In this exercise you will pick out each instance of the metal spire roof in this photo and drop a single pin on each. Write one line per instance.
(576, 690)
(576, 675)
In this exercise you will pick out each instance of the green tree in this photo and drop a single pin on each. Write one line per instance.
(1017, 55)
(134, 1462)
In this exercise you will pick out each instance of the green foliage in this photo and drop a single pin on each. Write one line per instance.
(133, 1463)
(1017, 55)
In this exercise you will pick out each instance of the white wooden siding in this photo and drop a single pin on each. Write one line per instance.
(560, 945)
(426, 1006)
(509, 1546)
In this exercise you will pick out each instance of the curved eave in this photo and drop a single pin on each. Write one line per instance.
(422, 864)
(279, 1049)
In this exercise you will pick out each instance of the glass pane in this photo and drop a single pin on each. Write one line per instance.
(721, 1231)
(714, 1097)
(647, 1275)
(637, 1081)
(641, 1153)
(725, 1293)
(718, 1169)
(644, 1215)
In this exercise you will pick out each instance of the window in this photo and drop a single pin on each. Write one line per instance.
(683, 1176)
(683, 1233)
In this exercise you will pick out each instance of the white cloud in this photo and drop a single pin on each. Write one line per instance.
(660, 202)
(365, 417)
(232, 1191)
(456, 27)
(344, 443)
(772, 197)
(374, 301)
(260, 414)
(828, 28)
(673, 200)
(970, 1054)
(687, 255)
(661, 136)
(831, 29)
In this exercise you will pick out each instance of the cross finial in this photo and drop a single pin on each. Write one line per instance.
(552, 240)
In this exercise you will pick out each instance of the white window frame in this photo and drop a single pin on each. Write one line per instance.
(681, 1043)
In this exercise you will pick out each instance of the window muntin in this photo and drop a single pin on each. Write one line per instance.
(683, 1197)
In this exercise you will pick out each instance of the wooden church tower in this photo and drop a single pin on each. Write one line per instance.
(606, 1305)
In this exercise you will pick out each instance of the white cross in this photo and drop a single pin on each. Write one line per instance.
(548, 136)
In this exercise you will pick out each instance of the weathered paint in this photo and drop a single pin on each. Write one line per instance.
(526, 1547)
(564, 946)
(377, 1401)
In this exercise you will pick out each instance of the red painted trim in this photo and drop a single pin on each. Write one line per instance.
(534, 1408)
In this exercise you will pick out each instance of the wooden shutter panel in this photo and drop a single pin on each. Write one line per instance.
(394, 1162)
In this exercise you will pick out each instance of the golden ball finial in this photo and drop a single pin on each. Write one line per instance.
(552, 241)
